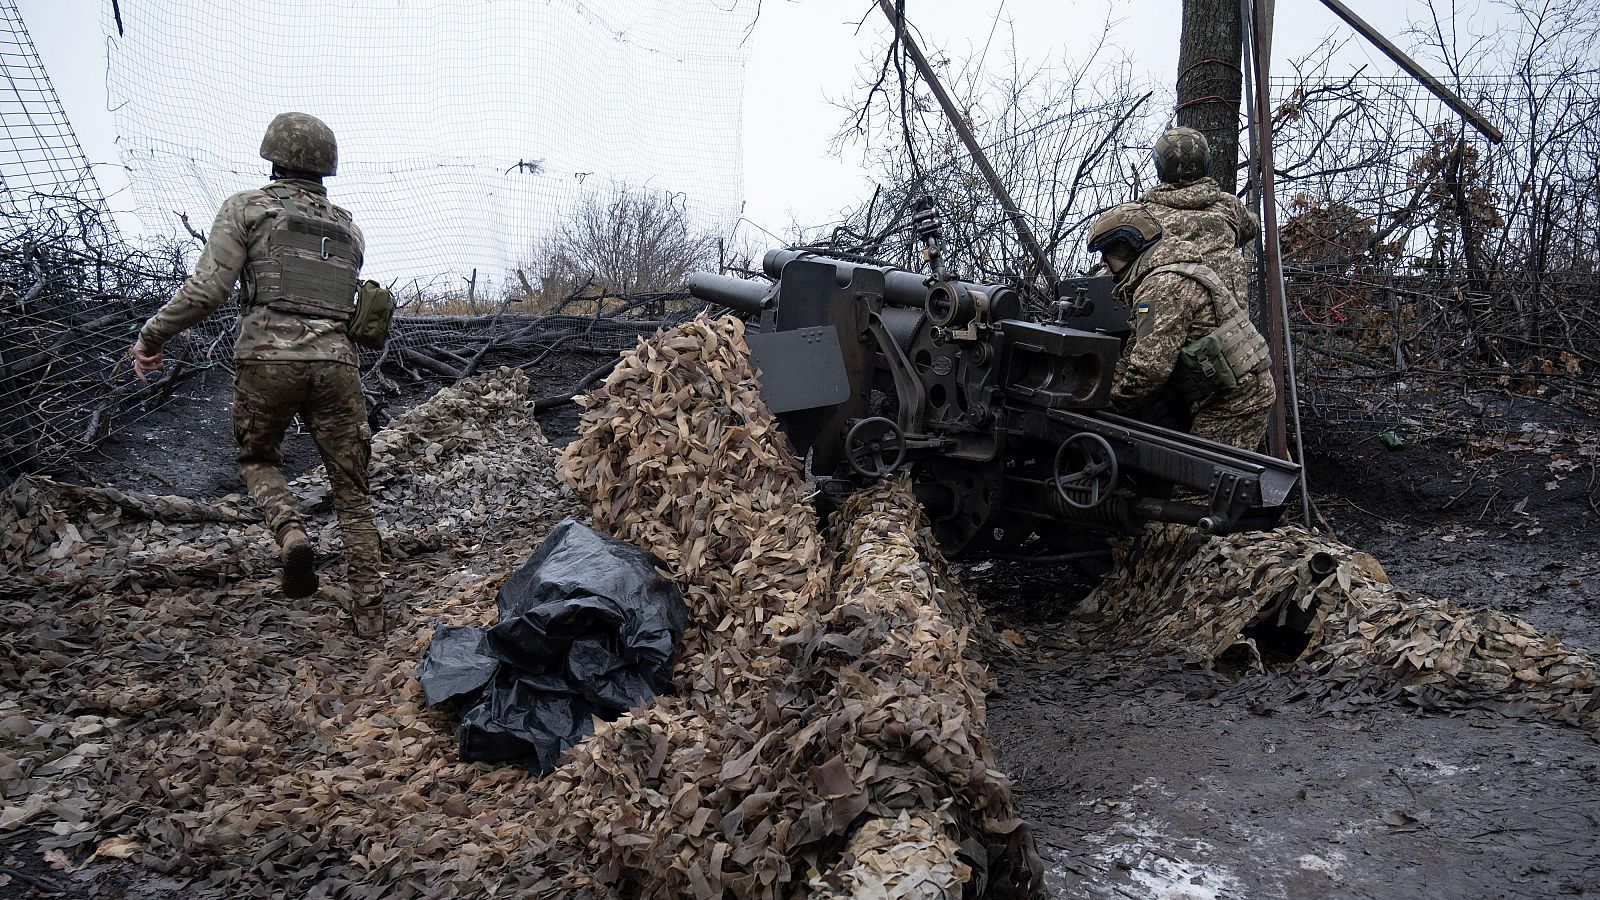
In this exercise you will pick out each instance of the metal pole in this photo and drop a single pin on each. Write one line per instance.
(1258, 34)
(1260, 41)
(1416, 71)
(1024, 231)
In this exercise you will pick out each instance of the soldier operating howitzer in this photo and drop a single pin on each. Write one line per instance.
(1006, 423)
(1189, 331)
(300, 258)
(1192, 207)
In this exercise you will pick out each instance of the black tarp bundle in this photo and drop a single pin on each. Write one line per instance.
(587, 628)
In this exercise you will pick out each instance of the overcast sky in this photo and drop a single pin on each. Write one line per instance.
(804, 57)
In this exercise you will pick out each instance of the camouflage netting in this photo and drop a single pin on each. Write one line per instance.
(829, 738)
(166, 704)
(1367, 639)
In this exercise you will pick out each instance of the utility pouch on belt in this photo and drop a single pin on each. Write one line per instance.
(1215, 363)
(1203, 370)
(369, 325)
(311, 264)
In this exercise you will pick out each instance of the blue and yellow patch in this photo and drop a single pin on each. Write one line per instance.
(1143, 307)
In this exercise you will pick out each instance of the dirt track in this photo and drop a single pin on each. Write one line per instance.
(1175, 783)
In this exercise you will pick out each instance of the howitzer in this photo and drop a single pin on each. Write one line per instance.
(1002, 420)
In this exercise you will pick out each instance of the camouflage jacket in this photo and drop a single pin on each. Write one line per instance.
(265, 335)
(1169, 311)
(1214, 221)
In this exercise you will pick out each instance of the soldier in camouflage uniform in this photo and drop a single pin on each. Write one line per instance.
(1177, 302)
(1192, 207)
(299, 257)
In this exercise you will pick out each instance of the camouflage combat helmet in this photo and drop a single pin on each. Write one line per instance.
(301, 142)
(1128, 223)
(1182, 155)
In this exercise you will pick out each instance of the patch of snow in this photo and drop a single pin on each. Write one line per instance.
(1328, 864)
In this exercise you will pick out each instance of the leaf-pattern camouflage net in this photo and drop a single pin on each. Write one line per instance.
(166, 704)
(1366, 637)
(829, 737)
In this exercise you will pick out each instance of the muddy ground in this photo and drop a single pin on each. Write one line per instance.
(1172, 782)
(1175, 783)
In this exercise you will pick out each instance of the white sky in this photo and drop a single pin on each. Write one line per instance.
(804, 53)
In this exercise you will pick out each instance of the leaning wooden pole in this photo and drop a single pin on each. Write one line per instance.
(1030, 241)
(1412, 68)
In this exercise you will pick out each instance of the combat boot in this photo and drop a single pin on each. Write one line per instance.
(299, 563)
(367, 616)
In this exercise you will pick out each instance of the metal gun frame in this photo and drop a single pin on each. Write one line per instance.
(1001, 420)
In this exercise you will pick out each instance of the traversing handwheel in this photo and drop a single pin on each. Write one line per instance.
(1085, 470)
(874, 447)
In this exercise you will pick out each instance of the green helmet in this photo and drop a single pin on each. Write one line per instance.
(1125, 223)
(1182, 155)
(302, 142)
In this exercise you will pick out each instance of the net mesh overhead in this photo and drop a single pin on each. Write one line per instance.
(466, 131)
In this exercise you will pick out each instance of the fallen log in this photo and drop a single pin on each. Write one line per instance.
(424, 361)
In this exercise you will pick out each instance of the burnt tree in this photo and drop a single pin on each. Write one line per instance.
(1210, 81)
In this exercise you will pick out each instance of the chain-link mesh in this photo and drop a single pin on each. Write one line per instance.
(1424, 262)
(69, 288)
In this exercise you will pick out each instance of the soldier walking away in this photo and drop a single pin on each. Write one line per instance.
(1192, 207)
(299, 257)
(1190, 332)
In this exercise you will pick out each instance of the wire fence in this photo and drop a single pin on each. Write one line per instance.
(1426, 265)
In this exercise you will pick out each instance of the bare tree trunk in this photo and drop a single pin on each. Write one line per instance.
(1210, 81)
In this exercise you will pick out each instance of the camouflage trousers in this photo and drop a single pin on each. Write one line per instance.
(1238, 418)
(327, 395)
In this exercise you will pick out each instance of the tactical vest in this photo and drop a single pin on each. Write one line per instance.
(1235, 340)
(310, 267)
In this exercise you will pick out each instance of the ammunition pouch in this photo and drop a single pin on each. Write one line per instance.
(1203, 371)
(1214, 364)
(311, 264)
(369, 324)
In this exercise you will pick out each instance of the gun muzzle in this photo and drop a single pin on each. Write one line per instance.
(746, 297)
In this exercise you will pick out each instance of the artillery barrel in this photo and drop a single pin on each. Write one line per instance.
(748, 297)
(900, 287)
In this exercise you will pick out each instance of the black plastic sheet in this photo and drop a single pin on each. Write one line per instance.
(587, 628)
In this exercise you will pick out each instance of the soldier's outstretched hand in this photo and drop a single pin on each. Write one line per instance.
(145, 362)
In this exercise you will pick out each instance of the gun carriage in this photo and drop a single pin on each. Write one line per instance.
(1003, 421)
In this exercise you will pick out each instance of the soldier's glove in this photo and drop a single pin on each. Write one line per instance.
(146, 360)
